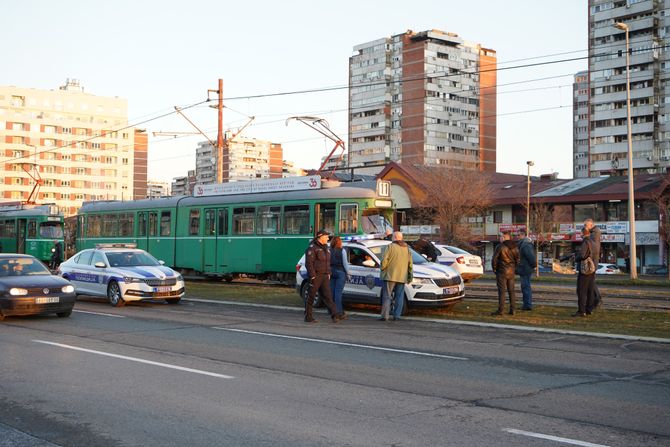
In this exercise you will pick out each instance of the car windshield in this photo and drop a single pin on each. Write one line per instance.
(456, 250)
(380, 249)
(131, 259)
(20, 266)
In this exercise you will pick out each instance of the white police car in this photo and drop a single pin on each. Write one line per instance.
(432, 285)
(122, 273)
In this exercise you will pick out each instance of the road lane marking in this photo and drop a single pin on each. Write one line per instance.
(99, 313)
(553, 438)
(339, 343)
(135, 359)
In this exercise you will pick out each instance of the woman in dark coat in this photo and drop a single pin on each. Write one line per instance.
(585, 282)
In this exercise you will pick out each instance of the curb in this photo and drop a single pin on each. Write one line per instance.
(457, 322)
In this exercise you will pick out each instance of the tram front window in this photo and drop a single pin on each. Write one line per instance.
(51, 230)
(375, 223)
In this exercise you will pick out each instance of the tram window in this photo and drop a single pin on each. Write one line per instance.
(193, 222)
(165, 223)
(348, 218)
(327, 217)
(243, 220)
(94, 225)
(141, 224)
(110, 224)
(80, 226)
(268, 219)
(51, 230)
(32, 228)
(153, 224)
(7, 229)
(223, 221)
(210, 223)
(125, 224)
(296, 219)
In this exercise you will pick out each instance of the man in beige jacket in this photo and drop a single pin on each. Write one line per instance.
(396, 271)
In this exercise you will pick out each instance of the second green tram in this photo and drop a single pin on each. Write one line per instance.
(259, 235)
(30, 229)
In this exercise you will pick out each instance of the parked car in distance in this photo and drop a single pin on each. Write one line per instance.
(657, 270)
(608, 269)
(467, 265)
(432, 285)
(27, 287)
(122, 273)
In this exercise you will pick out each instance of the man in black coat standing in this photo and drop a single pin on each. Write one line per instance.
(504, 263)
(317, 262)
(527, 264)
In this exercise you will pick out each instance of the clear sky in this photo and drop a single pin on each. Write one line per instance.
(158, 54)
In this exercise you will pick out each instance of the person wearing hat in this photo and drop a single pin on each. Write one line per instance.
(317, 262)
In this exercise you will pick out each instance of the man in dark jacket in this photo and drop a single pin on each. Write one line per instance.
(317, 262)
(424, 247)
(525, 268)
(585, 282)
(504, 262)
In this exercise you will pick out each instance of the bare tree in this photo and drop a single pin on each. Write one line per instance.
(453, 196)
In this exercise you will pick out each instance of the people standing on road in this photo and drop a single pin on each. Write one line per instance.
(527, 264)
(339, 271)
(595, 238)
(56, 255)
(396, 271)
(388, 234)
(504, 263)
(585, 281)
(427, 248)
(317, 262)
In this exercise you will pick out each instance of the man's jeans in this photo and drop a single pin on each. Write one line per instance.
(526, 291)
(397, 291)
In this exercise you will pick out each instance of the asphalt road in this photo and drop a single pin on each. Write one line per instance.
(201, 374)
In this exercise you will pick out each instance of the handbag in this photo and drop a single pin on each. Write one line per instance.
(587, 267)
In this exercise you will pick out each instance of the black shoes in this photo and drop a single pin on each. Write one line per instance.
(310, 320)
(526, 308)
(497, 313)
(579, 314)
(511, 312)
(383, 319)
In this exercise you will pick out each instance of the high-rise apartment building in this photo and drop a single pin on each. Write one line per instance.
(156, 189)
(183, 186)
(580, 131)
(249, 159)
(78, 144)
(422, 98)
(648, 24)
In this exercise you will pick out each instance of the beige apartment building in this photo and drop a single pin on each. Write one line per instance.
(79, 144)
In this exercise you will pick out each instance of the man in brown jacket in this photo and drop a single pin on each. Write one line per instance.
(317, 262)
(505, 259)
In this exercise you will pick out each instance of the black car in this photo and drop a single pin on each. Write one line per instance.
(27, 287)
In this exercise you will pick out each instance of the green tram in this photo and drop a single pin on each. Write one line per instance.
(30, 229)
(259, 234)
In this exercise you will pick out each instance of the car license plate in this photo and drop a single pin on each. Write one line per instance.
(163, 289)
(450, 290)
(47, 300)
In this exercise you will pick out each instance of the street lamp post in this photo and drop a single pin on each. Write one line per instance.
(631, 186)
(530, 163)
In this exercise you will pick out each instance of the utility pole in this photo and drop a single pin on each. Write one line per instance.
(221, 166)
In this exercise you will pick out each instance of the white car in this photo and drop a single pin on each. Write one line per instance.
(122, 273)
(432, 285)
(467, 265)
(608, 269)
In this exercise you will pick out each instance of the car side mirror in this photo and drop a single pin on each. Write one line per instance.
(100, 265)
(161, 262)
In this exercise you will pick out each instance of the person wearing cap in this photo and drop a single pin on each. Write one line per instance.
(317, 262)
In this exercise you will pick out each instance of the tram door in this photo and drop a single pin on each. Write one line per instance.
(21, 236)
(216, 229)
(324, 217)
(142, 230)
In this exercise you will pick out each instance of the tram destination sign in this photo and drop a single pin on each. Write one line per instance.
(258, 186)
